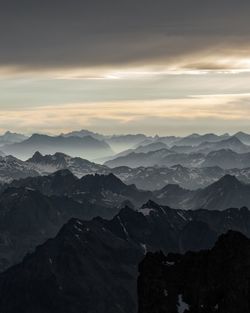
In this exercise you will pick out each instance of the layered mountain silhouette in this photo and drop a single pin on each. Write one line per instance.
(226, 192)
(10, 138)
(87, 147)
(106, 190)
(196, 139)
(215, 280)
(224, 158)
(109, 191)
(92, 265)
(232, 143)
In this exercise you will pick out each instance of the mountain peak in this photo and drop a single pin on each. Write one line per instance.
(229, 179)
(37, 156)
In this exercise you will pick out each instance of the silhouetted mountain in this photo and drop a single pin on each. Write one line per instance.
(155, 146)
(215, 280)
(196, 139)
(227, 192)
(9, 138)
(84, 133)
(46, 164)
(152, 178)
(123, 142)
(92, 266)
(174, 196)
(167, 140)
(245, 138)
(227, 159)
(232, 143)
(224, 193)
(133, 159)
(147, 178)
(106, 190)
(87, 147)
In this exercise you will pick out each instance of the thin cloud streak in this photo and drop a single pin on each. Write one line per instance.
(226, 108)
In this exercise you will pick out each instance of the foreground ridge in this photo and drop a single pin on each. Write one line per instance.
(215, 280)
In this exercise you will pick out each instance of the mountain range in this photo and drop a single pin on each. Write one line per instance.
(109, 190)
(228, 191)
(102, 146)
(225, 158)
(87, 147)
(147, 178)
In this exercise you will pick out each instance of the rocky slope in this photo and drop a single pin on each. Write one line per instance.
(215, 280)
(91, 266)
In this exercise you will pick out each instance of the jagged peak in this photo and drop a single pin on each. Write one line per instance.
(229, 179)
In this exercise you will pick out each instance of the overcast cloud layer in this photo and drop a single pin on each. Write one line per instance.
(89, 56)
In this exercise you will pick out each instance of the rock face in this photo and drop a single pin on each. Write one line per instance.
(208, 281)
(28, 218)
(85, 268)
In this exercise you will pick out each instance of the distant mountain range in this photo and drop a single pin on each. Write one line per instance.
(92, 265)
(9, 138)
(102, 146)
(108, 190)
(213, 280)
(226, 192)
(87, 147)
(146, 178)
(226, 159)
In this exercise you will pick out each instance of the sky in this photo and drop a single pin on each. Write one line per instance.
(136, 66)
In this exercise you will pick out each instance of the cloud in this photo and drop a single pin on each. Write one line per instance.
(65, 35)
(226, 110)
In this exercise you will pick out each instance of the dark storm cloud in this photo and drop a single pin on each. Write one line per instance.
(68, 33)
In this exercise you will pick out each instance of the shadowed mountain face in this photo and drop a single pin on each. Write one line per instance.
(146, 178)
(91, 266)
(110, 191)
(104, 190)
(28, 218)
(215, 280)
(187, 157)
(226, 192)
(87, 147)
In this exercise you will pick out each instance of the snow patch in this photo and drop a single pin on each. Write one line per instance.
(144, 247)
(181, 306)
(146, 211)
